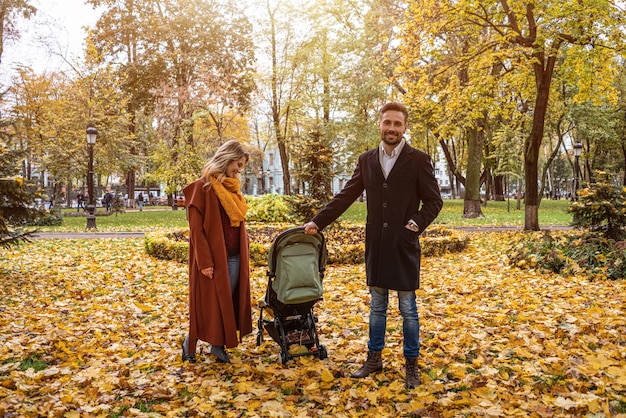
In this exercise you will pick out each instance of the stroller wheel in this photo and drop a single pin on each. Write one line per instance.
(259, 338)
(322, 352)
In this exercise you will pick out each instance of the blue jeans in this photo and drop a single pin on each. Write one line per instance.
(233, 271)
(378, 320)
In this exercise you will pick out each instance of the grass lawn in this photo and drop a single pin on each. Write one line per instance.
(149, 219)
(551, 212)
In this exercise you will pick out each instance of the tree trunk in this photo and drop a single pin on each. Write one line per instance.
(130, 187)
(276, 109)
(450, 161)
(471, 203)
(69, 191)
(518, 204)
(284, 161)
(543, 79)
(498, 188)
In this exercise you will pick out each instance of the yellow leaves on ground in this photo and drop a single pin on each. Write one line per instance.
(94, 327)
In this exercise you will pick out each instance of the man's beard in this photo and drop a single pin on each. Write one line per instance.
(389, 139)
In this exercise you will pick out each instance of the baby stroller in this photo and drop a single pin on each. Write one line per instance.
(296, 268)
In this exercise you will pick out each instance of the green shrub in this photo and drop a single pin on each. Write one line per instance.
(258, 254)
(174, 245)
(438, 240)
(270, 208)
(47, 220)
(570, 253)
(348, 242)
(345, 242)
(601, 207)
(168, 245)
(117, 205)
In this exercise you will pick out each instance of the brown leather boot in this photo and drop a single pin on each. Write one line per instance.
(412, 373)
(373, 364)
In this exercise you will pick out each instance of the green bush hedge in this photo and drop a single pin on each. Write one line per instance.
(46, 220)
(168, 245)
(571, 253)
(345, 243)
(269, 208)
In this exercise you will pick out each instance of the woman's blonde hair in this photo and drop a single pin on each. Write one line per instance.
(230, 151)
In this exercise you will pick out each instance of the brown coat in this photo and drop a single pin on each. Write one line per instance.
(214, 316)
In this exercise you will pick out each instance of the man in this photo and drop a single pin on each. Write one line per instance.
(398, 179)
(80, 198)
(140, 201)
(108, 199)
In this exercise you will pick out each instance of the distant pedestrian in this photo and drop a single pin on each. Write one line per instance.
(108, 199)
(140, 201)
(79, 201)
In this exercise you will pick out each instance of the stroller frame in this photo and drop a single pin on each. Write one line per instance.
(292, 324)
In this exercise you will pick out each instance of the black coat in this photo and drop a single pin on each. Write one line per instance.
(392, 252)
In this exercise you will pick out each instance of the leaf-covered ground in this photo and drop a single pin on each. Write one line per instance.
(93, 328)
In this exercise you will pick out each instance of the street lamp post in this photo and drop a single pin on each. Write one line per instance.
(92, 133)
(578, 149)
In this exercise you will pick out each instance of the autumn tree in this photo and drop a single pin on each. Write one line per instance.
(601, 128)
(120, 37)
(52, 111)
(10, 10)
(529, 41)
(449, 95)
(180, 57)
(364, 59)
(321, 65)
(281, 40)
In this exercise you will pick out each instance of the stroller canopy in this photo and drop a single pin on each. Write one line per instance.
(296, 264)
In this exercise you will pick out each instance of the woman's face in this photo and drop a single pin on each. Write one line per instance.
(235, 167)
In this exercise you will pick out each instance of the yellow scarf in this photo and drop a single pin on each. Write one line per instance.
(230, 197)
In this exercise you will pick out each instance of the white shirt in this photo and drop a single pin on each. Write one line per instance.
(387, 161)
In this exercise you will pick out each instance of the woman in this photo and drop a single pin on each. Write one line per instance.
(219, 271)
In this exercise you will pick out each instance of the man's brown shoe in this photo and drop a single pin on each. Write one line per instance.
(412, 373)
(373, 364)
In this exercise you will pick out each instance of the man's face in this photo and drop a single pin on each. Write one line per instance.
(392, 126)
